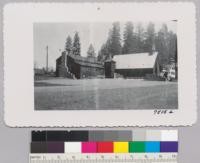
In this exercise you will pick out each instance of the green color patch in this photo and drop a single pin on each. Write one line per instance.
(136, 147)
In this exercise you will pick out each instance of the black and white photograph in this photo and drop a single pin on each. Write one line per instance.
(109, 64)
(105, 66)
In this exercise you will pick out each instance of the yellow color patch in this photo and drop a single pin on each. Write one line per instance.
(121, 147)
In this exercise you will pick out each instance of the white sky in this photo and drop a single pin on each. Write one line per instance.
(54, 35)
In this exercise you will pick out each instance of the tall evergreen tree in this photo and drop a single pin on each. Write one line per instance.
(172, 46)
(166, 45)
(128, 46)
(140, 38)
(76, 45)
(176, 49)
(150, 38)
(100, 55)
(91, 51)
(162, 43)
(115, 40)
(68, 45)
(104, 53)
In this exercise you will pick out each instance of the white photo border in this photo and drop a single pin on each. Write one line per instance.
(19, 61)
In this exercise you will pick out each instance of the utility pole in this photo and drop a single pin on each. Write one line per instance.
(47, 58)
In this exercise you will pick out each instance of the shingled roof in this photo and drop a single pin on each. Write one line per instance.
(86, 61)
(135, 61)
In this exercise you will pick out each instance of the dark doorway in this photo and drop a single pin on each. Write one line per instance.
(109, 69)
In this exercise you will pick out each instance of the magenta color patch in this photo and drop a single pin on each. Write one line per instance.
(89, 147)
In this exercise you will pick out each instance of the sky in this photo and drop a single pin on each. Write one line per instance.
(54, 36)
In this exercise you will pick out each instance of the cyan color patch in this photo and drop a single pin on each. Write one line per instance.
(152, 146)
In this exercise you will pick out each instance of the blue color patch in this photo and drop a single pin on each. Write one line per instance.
(152, 146)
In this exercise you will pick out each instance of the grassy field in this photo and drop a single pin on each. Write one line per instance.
(66, 94)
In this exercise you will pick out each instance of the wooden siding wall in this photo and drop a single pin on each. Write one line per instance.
(82, 71)
(91, 72)
(134, 72)
(73, 67)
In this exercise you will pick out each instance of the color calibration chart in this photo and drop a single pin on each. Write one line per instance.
(98, 146)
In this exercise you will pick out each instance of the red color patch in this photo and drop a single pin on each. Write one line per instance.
(105, 147)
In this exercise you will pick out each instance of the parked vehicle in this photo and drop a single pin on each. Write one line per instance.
(168, 73)
(171, 74)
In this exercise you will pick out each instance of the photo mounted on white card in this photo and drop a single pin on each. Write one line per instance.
(104, 65)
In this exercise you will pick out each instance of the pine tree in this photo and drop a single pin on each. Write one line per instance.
(76, 45)
(115, 40)
(129, 40)
(172, 45)
(91, 51)
(140, 38)
(100, 56)
(68, 45)
(166, 45)
(160, 46)
(176, 50)
(150, 38)
(104, 52)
